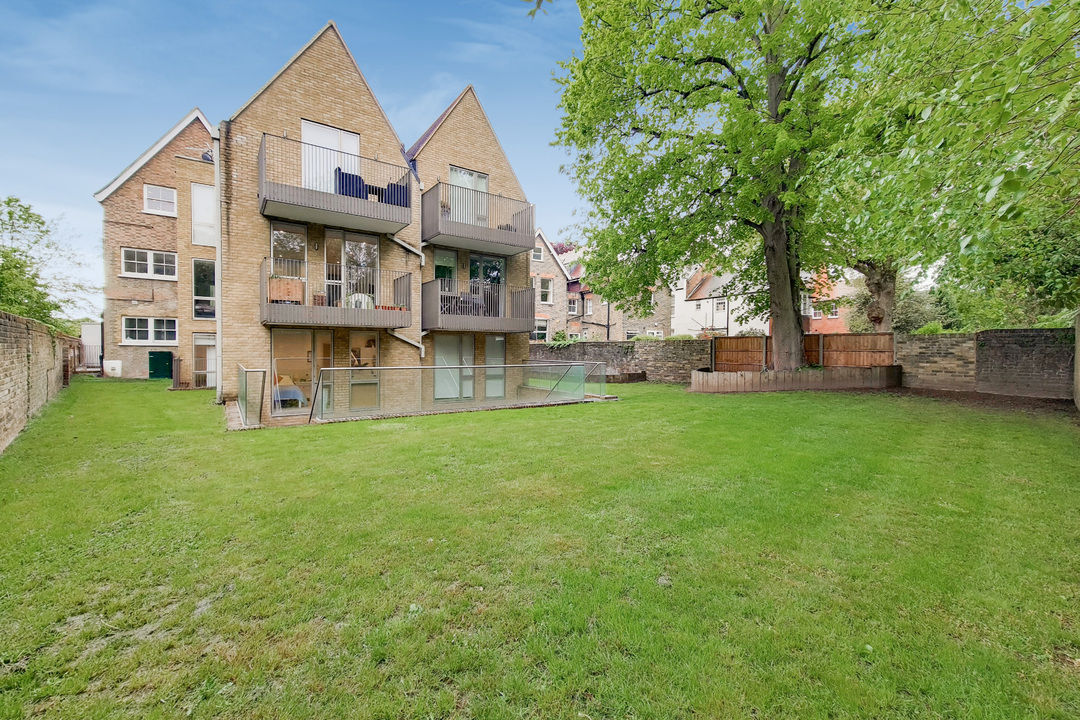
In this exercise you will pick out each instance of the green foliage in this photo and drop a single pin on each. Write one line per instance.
(646, 338)
(914, 308)
(680, 337)
(931, 328)
(22, 290)
(694, 131)
(560, 340)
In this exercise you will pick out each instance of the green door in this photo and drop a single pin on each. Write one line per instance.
(160, 365)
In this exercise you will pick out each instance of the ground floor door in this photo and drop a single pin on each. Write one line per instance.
(451, 352)
(204, 367)
(160, 364)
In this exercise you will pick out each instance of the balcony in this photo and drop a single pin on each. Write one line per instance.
(295, 292)
(312, 184)
(477, 306)
(473, 220)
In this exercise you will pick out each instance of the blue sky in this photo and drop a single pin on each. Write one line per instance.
(87, 86)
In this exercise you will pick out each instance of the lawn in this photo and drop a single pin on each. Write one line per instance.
(666, 556)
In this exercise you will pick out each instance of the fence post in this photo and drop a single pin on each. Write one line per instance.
(764, 353)
(821, 349)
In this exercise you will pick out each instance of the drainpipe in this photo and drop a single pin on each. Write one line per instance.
(219, 363)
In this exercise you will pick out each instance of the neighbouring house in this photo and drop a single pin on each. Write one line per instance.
(160, 241)
(702, 307)
(827, 317)
(338, 251)
(549, 278)
(590, 317)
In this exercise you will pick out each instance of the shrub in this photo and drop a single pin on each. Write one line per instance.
(638, 338)
(679, 337)
(560, 340)
(931, 328)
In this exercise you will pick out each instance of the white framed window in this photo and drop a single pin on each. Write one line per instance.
(816, 314)
(204, 299)
(631, 334)
(834, 312)
(148, 264)
(721, 305)
(573, 336)
(541, 331)
(149, 331)
(203, 217)
(545, 290)
(159, 200)
(588, 306)
(538, 254)
(571, 306)
(655, 333)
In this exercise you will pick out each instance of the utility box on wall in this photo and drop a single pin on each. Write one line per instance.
(112, 368)
(161, 364)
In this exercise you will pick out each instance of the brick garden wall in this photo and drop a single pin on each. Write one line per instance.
(658, 360)
(31, 371)
(1030, 363)
(937, 362)
(1026, 363)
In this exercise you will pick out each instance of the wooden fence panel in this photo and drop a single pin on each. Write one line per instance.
(744, 354)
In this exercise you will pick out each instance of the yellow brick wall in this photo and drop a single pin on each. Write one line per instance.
(322, 85)
(126, 225)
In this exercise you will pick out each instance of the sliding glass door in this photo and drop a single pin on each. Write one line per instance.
(451, 351)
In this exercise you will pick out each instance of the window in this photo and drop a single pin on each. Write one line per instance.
(159, 200)
(202, 289)
(631, 334)
(203, 217)
(363, 384)
(574, 336)
(149, 331)
(538, 254)
(148, 264)
(721, 305)
(541, 330)
(816, 314)
(204, 370)
(697, 306)
(655, 333)
(588, 306)
(834, 312)
(545, 290)
(571, 306)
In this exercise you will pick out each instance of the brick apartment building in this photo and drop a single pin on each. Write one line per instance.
(329, 246)
(582, 314)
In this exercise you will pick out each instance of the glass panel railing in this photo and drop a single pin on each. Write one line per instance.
(342, 393)
(251, 385)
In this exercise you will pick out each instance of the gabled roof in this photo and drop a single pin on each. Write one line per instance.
(540, 234)
(418, 146)
(330, 25)
(195, 114)
(710, 286)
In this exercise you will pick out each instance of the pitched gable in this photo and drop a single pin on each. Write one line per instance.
(463, 136)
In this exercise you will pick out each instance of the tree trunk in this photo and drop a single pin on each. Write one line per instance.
(782, 271)
(880, 278)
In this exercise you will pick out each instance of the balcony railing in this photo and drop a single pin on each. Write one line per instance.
(308, 183)
(472, 305)
(295, 292)
(474, 220)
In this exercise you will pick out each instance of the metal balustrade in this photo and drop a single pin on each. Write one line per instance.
(474, 305)
(297, 292)
(308, 183)
(466, 218)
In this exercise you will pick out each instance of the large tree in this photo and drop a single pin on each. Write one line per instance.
(694, 128)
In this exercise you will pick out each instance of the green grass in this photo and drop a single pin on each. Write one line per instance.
(666, 556)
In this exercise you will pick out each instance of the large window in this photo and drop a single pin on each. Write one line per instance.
(452, 381)
(203, 217)
(148, 264)
(149, 331)
(363, 384)
(541, 331)
(721, 305)
(159, 200)
(545, 290)
(572, 306)
(202, 289)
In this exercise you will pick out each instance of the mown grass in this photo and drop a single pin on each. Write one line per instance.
(666, 556)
